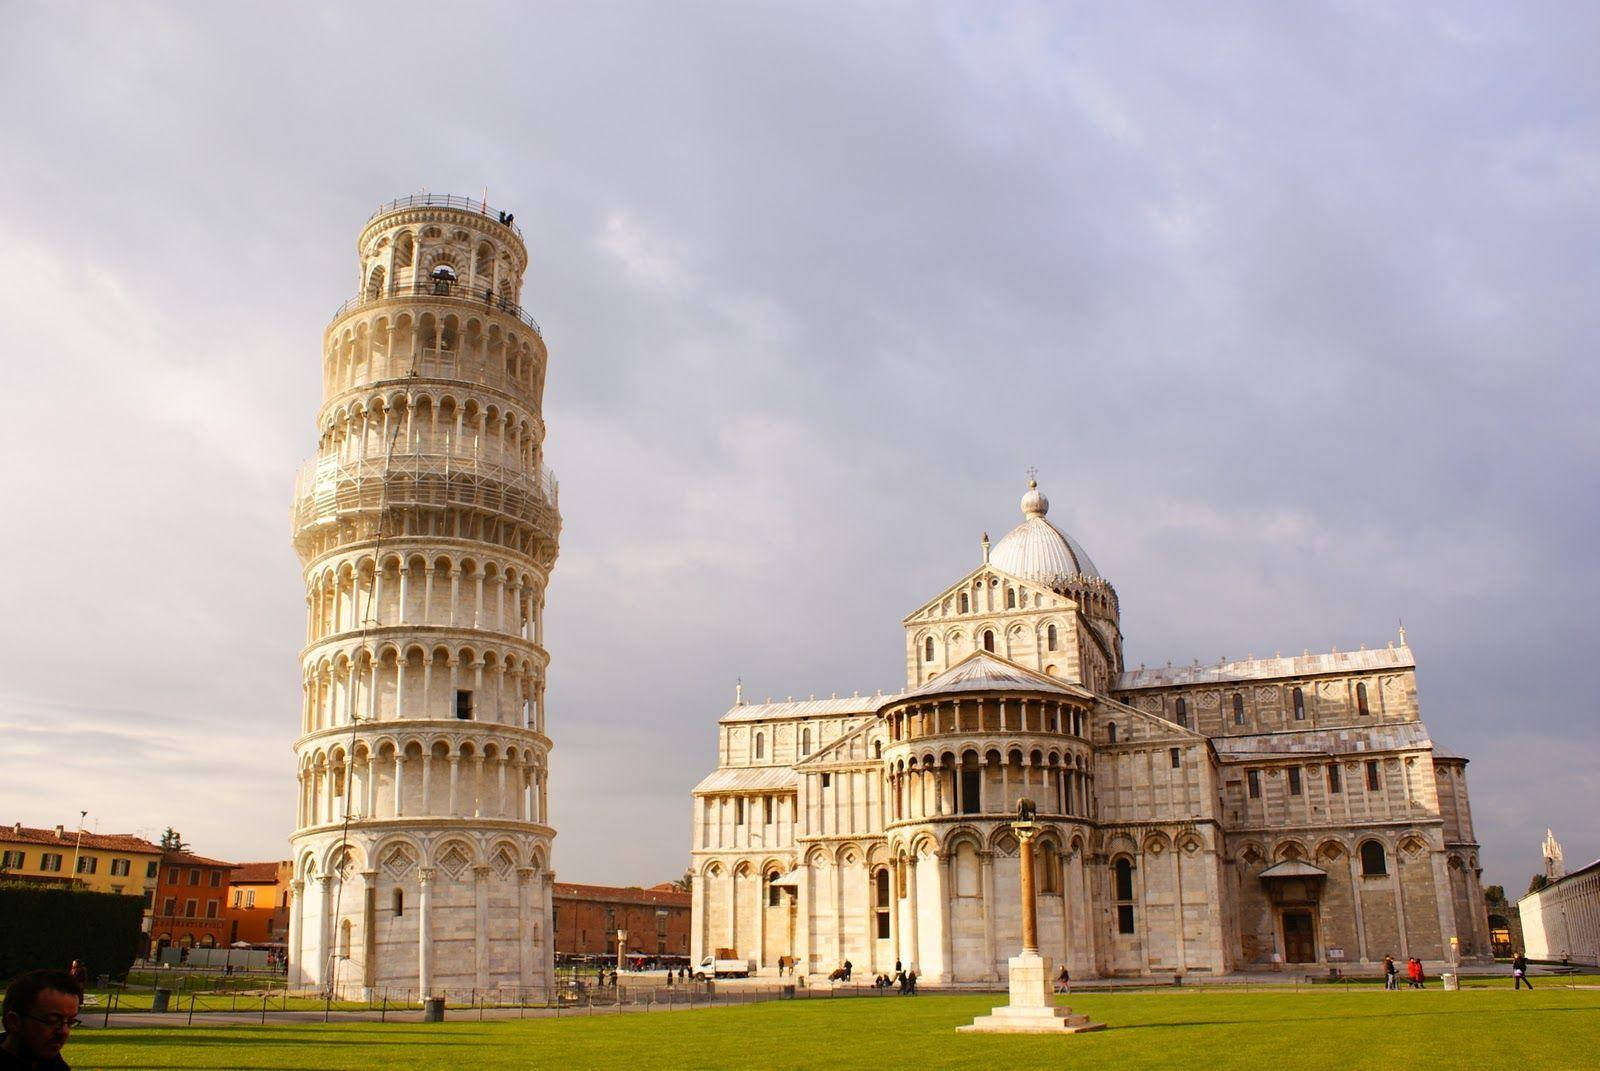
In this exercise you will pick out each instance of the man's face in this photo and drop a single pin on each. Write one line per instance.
(43, 1031)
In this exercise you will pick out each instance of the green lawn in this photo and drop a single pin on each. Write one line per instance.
(1492, 1029)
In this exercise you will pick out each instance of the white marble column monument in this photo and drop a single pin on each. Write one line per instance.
(1032, 1009)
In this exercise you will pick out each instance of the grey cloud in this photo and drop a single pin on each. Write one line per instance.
(1290, 307)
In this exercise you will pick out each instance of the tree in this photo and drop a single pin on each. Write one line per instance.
(1539, 881)
(172, 841)
(1495, 894)
(685, 883)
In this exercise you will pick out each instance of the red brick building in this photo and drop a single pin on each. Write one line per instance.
(587, 918)
(191, 902)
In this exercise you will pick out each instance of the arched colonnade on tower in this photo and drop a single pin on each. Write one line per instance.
(437, 343)
(439, 588)
(431, 420)
(420, 775)
(433, 681)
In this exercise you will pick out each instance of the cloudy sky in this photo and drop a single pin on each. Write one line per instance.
(1293, 307)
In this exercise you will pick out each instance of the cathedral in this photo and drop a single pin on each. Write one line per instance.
(1195, 820)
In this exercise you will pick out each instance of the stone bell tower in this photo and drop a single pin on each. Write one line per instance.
(427, 526)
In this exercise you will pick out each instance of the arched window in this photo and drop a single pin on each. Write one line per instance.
(1122, 882)
(761, 745)
(988, 640)
(880, 902)
(805, 742)
(1373, 863)
(399, 901)
(344, 939)
(774, 895)
(1361, 700)
(404, 250)
(964, 602)
(1111, 732)
(927, 649)
(1049, 869)
(1238, 709)
(1299, 705)
(375, 283)
(1050, 638)
(1183, 713)
(877, 749)
(1011, 598)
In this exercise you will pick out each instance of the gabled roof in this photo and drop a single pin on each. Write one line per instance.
(749, 779)
(191, 859)
(981, 671)
(1385, 736)
(1293, 868)
(850, 706)
(256, 873)
(1257, 669)
(838, 751)
(1158, 727)
(61, 837)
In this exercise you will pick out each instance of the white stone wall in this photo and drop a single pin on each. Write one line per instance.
(1562, 922)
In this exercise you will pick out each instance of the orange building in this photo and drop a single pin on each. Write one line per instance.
(587, 918)
(191, 902)
(258, 902)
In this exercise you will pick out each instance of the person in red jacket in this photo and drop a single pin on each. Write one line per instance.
(1414, 969)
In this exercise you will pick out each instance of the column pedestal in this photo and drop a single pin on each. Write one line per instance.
(1032, 1009)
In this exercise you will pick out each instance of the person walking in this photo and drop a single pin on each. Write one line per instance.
(1414, 970)
(1519, 971)
(1391, 973)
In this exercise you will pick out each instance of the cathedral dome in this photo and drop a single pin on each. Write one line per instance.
(1038, 550)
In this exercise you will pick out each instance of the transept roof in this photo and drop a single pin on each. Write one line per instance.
(984, 672)
(1306, 665)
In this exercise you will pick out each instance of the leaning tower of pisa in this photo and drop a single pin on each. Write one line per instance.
(427, 525)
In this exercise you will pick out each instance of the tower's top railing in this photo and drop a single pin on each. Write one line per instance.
(445, 200)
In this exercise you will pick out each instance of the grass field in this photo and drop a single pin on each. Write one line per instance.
(1214, 1030)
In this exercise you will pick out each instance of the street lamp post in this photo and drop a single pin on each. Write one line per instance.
(77, 849)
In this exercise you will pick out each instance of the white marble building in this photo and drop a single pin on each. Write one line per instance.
(1561, 922)
(427, 526)
(1197, 819)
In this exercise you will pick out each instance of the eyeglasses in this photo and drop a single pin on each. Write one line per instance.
(55, 1022)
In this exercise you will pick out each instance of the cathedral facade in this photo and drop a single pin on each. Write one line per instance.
(1195, 820)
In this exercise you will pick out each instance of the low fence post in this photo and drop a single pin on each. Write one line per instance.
(264, 998)
(191, 1009)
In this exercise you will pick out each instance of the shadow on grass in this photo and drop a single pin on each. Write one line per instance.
(1359, 1017)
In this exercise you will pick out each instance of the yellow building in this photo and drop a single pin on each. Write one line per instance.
(101, 862)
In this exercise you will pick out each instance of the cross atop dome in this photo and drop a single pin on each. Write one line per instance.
(1034, 504)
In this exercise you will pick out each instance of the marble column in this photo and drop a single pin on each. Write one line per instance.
(913, 959)
(986, 858)
(480, 925)
(424, 939)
